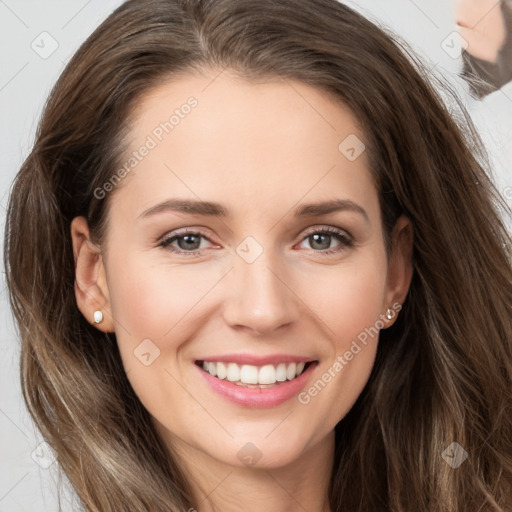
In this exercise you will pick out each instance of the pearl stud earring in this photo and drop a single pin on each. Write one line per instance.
(98, 317)
(389, 314)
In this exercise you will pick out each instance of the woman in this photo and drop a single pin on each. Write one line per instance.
(163, 243)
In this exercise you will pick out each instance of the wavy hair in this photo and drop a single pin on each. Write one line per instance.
(443, 371)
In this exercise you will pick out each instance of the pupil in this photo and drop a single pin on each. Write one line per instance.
(185, 242)
(324, 245)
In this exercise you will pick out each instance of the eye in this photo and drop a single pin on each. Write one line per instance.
(189, 242)
(320, 240)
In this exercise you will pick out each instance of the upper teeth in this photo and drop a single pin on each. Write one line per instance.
(249, 374)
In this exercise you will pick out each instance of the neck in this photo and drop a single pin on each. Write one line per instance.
(300, 485)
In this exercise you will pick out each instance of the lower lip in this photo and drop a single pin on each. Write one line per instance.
(258, 397)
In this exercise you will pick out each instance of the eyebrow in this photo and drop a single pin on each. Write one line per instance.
(197, 207)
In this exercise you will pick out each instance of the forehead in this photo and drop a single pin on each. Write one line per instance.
(216, 134)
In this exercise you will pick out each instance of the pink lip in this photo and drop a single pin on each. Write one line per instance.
(258, 397)
(257, 360)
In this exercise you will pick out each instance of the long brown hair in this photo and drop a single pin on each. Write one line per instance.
(443, 371)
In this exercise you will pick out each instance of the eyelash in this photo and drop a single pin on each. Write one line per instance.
(345, 240)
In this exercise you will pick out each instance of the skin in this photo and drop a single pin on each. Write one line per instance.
(481, 23)
(260, 149)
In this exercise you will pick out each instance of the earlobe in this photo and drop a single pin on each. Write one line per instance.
(91, 290)
(400, 268)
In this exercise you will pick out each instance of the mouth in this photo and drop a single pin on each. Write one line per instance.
(256, 382)
(252, 376)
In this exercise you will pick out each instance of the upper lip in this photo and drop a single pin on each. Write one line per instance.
(256, 360)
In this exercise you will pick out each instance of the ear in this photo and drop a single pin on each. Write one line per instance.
(400, 269)
(91, 290)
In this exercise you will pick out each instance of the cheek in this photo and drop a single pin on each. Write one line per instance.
(153, 306)
(157, 309)
(348, 299)
(150, 301)
(359, 304)
(350, 307)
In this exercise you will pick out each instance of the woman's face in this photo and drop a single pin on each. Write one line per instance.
(247, 235)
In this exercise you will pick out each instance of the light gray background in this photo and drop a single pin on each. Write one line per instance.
(25, 81)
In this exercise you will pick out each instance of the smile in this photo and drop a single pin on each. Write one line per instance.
(253, 376)
(262, 384)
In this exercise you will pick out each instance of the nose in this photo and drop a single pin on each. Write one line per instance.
(260, 298)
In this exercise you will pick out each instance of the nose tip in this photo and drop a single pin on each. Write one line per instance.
(260, 300)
